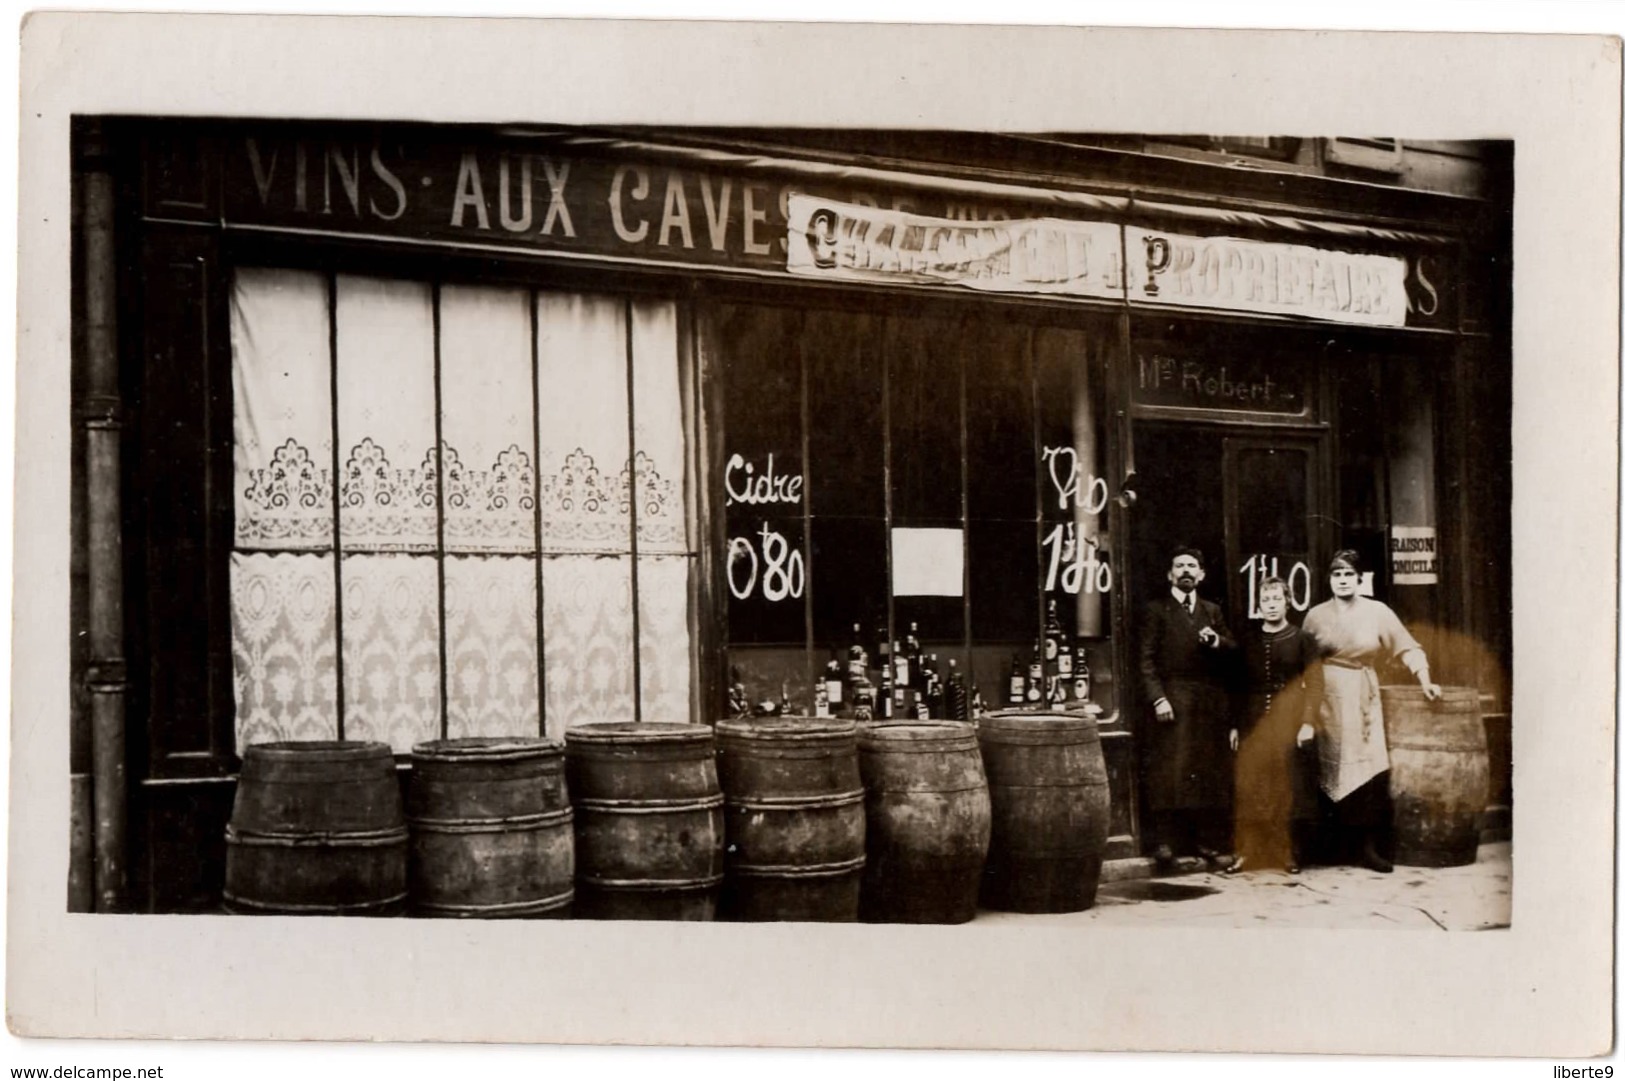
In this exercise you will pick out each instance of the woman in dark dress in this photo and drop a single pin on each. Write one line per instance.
(1274, 793)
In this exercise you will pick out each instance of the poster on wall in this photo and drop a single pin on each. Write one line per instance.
(1414, 550)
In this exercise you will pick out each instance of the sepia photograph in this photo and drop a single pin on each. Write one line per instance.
(863, 572)
(783, 525)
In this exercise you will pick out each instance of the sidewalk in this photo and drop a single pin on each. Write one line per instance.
(1472, 898)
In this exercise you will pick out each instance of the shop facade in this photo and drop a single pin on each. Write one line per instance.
(404, 432)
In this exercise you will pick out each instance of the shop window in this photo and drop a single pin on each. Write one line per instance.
(892, 477)
(1272, 148)
(1374, 155)
(506, 549)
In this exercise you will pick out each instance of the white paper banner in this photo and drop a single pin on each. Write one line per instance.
(1249, 275)
(1040, 255)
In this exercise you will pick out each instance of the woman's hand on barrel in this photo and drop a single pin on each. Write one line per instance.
(1431, 691)
(1306, 732)
(1164, 709)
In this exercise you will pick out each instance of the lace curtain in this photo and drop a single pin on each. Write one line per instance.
(437, 558)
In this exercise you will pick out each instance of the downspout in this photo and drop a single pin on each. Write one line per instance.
(100, 416)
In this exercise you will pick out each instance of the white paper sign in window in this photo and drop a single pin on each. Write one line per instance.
(928, 562)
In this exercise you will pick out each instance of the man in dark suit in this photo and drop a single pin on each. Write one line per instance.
(1184, 647)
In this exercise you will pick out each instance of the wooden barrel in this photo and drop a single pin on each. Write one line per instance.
(928, 821)
(1046, 780)
(794, 815)
(648, 821)
(1440, 774)
(491, 829)
(317, 829)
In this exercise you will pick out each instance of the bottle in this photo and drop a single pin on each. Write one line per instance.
(820, 699)
(912, 649)
(955, 706)
(885, 702)
(1080, 676)
(863, 698)
(1018, 681)
(933, 689)
(785, 708)
(857, 658)
(1052, 634)
(834, 688)
(1063, 660)
(1035, 678)
(901, 668)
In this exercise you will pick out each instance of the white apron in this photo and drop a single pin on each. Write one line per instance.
(1353, 747)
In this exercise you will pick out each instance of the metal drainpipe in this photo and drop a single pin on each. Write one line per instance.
(101, 418)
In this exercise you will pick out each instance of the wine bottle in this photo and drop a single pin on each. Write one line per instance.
(857, 658)
(1035, 678)
(834, 688)
(901, 669)
(885, 695)
(1018, 681)
(1052, 634)
(1080, 676)
(821, 699)
(933, 684)
(955, 705)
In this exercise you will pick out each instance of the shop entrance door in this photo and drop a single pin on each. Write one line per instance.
(1253, 500)
(1253, 503)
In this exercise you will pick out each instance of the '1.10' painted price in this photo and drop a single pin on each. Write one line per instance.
(1078, 567)
(1299, 582)
(779, 570)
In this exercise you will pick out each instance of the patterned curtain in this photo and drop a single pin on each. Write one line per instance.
(487, 422)
(586, 508)
(439, 565)
(283, 642)
(665, 560)
(388, 510)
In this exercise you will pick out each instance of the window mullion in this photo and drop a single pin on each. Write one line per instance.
(440, 507)
(338, 482)
(632, 503)
(536, 498)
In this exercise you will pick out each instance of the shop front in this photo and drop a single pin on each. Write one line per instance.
(427, 432)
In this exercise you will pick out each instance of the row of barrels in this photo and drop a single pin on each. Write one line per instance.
(770, 819)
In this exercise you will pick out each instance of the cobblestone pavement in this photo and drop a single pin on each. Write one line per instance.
(1472, 898)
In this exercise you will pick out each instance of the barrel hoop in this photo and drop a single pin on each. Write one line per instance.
(511, 908)
(1421, 742)
(440, 754)
(315, 839)
(794, 870)
(1101, 783)
(797, 803)
(510, 824)
(978, 787)
(1055, 733)
(649, 806)
(622, 735)
(667, 884)
(811, 733)
(965, 744)
(294, 908)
